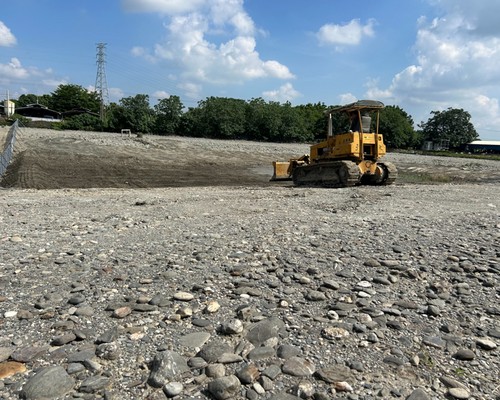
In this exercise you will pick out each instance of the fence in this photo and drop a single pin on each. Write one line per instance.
(8, 152)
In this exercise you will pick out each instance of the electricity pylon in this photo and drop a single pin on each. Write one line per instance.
(101, 85)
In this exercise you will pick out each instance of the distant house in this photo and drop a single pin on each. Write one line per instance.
(439, 145)
(38, 112)
(484, 146)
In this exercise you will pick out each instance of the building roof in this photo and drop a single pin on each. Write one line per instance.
(38, 111)
(485, 143)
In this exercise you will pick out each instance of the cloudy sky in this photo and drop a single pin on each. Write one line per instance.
(422, 55)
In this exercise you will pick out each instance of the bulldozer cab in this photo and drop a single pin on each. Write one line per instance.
(359, 116)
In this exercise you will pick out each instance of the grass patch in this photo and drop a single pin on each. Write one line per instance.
(422, 178)
(495, 157)
(452, 154)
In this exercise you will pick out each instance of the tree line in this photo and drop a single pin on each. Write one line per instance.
(255, 119)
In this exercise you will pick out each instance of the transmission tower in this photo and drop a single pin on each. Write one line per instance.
(101, 85)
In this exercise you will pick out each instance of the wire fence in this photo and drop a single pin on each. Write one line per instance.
(8, 152)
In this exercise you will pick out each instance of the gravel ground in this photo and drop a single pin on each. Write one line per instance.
(250, 291)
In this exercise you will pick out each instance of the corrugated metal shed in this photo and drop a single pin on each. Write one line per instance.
(484, 145)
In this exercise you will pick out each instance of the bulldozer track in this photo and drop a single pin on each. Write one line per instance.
(334, 174)
(392, 173)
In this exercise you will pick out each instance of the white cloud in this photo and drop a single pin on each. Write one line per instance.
(284, 93)
(115, 94)
(13, 70)
(192, 48)
(350, 34)
(54, 83)
(161, 94)
(347, 98)
(231, 12)
(233, 61)
(138, 51)
(191, 90)
(7, 39)
(457, 58)
(480, 17)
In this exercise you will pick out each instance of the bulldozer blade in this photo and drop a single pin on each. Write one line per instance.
(281, 172)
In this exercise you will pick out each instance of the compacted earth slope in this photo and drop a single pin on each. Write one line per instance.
(170, 267)
(47, 159)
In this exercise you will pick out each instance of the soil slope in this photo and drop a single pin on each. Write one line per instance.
(47, 159)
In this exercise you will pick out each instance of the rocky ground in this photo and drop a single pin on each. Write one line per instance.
(257, 291)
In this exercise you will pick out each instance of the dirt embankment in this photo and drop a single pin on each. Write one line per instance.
(47, 159)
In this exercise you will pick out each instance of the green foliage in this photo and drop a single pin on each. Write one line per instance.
(263, 120)
(453, 125)
(83, 122)
(397, 127)
(313, 117)
(255, 117)
(23, 121)
(228, 118)
(29, 98)
(26, 99)
(190, 123)
(168, 114)
(74, 97)
(132, 113)
(292, 127)
(222, 118)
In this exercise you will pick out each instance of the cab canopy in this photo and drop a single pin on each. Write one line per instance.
(368, 105)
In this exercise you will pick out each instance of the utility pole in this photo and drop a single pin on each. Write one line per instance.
(101, 85)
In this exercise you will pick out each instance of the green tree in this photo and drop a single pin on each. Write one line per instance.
(115, 120)
(453, 125)
(293, 127)
(278, 122)
(132, 113)
(254, 119)
(168, 114)
(314, 120)
(223, 117)
(74, 97)
(397, 127)
(191, 123)
(30, 98)
(82, 122)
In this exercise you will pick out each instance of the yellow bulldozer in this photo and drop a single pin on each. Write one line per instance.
(344, 159)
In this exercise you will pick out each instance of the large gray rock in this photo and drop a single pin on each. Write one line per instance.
(266, 329)
(165, 367)
(335, 373)
(227, 387)
(418, 394)
(94, 383)
(213, 350)
(297, 366)
(48, 383)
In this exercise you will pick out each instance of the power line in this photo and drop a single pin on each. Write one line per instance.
(101, 85)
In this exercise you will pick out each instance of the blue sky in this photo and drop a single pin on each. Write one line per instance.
(422, 55)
